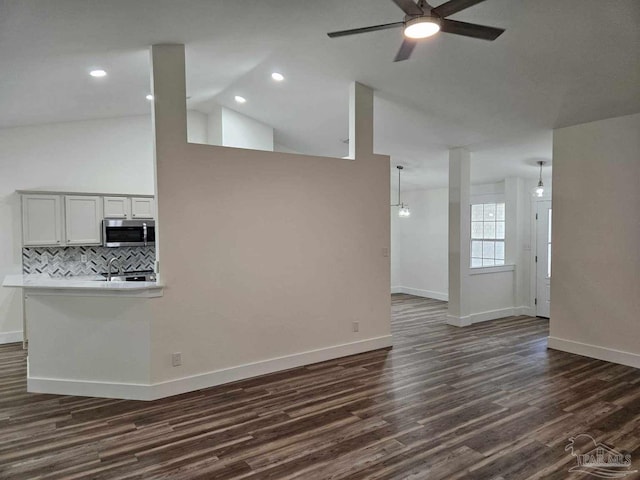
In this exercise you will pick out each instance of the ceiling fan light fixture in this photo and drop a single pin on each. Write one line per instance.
(421, 27)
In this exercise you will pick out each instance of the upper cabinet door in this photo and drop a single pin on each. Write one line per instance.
(117, 207)
(142, 208)
(83, 220)
(42, 220)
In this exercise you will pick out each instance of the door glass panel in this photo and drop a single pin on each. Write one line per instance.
(549, 248)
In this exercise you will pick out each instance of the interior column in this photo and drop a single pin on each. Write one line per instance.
(360, 120)
(459, 236)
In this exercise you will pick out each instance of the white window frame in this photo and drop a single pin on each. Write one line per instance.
(499, 237)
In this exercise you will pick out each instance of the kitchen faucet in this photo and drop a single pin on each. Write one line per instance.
(110, 264)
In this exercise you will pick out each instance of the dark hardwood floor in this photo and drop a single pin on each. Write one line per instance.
(483, 402)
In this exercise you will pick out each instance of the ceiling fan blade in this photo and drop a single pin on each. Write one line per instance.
(405, 50)
(454, 6)
(409, 7)
(471, 29)
(373, 28)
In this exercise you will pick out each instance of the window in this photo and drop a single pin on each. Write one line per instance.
(487, 234)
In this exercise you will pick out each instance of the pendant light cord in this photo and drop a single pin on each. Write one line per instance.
(540, 184)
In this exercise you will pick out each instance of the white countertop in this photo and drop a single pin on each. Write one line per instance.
(88, 283)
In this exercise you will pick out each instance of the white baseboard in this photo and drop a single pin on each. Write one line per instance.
(524, 310)
(465, 321)
(196, 382)
(492, 315)
(11, 337)
(421, 293)
(458, 321)
(594, 351)
(83, 388)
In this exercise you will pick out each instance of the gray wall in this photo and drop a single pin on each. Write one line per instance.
(595, 286)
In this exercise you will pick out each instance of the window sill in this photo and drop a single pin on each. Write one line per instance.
(496, 269)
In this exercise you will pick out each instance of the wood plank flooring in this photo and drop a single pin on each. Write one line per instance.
(483, 402)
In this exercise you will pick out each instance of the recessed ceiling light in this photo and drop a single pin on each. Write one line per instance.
(240, 99)
(278, 77)
(98, 73)
(149, 97)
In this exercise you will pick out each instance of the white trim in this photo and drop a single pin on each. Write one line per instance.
(595, 351)
(11, 337)
(486, 316)
(495, 269)
(83, 388)
(524, 310)
(100, 194)
(458, 321)
(533, 265)
(492, 315)
(421, 293)
(141, 292)
(176, 386)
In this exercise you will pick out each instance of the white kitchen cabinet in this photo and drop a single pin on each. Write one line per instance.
(83, 220)
(142, 208)
(117, 207)
(42, 220)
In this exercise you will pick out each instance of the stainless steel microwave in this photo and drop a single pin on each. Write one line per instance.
(128, 233)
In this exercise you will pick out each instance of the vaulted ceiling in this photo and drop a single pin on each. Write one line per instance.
(559, 63)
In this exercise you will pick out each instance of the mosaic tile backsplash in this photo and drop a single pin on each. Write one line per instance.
(65, 261)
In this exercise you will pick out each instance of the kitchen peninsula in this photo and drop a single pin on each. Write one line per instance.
(106, 324)
(87, 314)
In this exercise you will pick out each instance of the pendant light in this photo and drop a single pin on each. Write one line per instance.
(540, 187)
(404, 209)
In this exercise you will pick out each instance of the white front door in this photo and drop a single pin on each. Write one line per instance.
(543, 258)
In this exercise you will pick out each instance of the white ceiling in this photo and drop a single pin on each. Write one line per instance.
(559, 63)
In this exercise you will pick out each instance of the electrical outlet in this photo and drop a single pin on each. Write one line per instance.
(356, 326)
(83, 258)
(385, 252)
(176, 359)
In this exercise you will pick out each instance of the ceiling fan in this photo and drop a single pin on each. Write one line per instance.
(422, 20)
